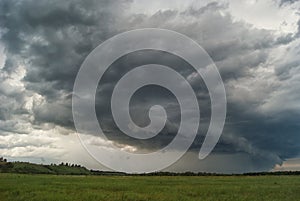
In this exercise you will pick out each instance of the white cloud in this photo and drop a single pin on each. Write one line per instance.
(150, 8)
(288, 165)
(266, 14)
(12, 83)
(47, 143)
(262, 14)
(2, 56)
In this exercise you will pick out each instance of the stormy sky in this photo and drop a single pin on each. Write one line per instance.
(255, 44)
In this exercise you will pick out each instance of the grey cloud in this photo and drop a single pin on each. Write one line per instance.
(237, 162)
(52, 38)
(284, 2)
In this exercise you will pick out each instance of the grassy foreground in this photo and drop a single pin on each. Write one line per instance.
(93, 188)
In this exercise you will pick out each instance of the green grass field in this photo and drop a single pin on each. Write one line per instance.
(14, 187)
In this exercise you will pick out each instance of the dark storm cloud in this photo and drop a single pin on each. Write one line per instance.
(52, 38)
(283, 2)
(146, 97)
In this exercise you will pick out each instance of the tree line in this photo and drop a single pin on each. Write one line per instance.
(74, 169)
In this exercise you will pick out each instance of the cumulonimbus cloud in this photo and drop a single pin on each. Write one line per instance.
(46, 41)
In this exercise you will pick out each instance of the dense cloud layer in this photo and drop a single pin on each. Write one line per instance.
(45, 43)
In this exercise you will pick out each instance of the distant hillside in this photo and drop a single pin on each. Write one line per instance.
(30, 168)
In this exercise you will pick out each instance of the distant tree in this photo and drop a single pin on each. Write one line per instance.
(3, 159)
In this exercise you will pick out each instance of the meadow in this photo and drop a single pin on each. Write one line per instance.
(25, 187)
